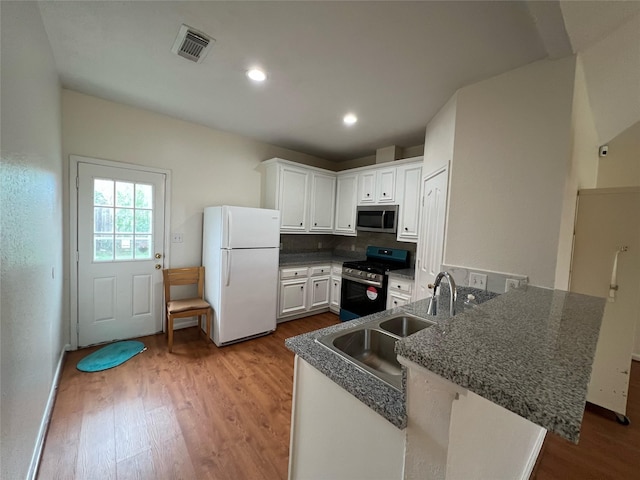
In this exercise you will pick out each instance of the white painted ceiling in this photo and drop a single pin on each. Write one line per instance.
(392, 63)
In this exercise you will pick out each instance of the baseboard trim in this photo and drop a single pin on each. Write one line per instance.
(635, 356)
(46, 417)
(535, 452)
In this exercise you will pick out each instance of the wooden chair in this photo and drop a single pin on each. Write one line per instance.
(188, 307)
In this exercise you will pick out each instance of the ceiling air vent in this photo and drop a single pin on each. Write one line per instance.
(192, 44)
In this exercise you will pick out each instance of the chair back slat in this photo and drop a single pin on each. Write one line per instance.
(183, 276)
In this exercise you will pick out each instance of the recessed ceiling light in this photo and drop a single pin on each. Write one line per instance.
(350, 119)
(256, 75)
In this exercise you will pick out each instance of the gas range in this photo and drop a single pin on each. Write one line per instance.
(364, 282)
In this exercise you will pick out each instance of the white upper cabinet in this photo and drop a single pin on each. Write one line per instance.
(377, 186)
(322, 202)
(314, 200)
(386, 185)
(346, 205)
(409, 183)
(367, 187)
(293, 199)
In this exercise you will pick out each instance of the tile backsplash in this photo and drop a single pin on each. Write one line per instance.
(338, 243)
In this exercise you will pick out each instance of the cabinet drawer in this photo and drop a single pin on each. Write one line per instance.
(319, 270)
(296, 272)
(401, 285)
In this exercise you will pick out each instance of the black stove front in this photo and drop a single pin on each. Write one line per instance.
(364, 283)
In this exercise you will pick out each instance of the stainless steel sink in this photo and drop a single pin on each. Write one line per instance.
(370, 346)
(404, 325)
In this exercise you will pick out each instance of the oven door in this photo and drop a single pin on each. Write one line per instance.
(361, 297)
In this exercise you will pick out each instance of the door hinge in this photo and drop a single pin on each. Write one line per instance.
(77, 256)
(77, 183)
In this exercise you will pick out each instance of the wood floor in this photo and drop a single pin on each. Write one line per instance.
(224, 413)
(606, 450)
(200, 413)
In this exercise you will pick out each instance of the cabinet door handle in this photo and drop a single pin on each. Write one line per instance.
(399, 287)
(315, 224)
(395, 302)
(301, 287)
(406, 228)
(349, 225)
(296, 273)
(300, 223)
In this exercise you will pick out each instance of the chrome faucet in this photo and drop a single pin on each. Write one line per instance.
(454, 294)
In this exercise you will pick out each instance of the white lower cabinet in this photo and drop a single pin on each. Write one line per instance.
(336, 288)
(319, 292)
(303, 290)
(399, 292)
(293, 297)
(334, 435)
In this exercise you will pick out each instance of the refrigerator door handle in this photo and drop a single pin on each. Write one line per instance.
(228, 273)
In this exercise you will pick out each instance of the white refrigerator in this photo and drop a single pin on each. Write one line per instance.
(606, 263)
(240, 249)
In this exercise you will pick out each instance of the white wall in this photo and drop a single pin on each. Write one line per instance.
(439, 137)
(512, 148)
(33, 332)
(621, 167)
(582, 172)
(612, 70)
(209, 167)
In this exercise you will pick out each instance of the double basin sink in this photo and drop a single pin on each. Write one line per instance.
(371, 346)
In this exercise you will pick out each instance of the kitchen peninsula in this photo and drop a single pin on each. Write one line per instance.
(521, 362)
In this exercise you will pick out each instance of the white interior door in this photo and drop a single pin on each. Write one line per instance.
(431, 240)
(120, 228)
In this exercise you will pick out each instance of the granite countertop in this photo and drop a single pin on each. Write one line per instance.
(313, 258)
(373, 392)
(408, 273)
(370, 390)
(530, 351)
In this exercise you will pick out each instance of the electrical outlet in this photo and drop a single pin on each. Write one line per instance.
(511, 283)
(176, 238)
(478, 280)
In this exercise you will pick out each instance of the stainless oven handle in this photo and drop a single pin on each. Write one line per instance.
(362, 280)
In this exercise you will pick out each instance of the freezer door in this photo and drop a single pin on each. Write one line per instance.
(250, 227)
(249, 290)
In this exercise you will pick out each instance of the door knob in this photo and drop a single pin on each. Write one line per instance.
(158, 266)
(158, 255)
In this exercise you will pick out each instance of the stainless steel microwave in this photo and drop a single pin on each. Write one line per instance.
(377, 218)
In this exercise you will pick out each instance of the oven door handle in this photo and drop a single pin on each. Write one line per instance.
(363, 281)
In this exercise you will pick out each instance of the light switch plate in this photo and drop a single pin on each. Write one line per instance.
(478, 280)
(176, 238)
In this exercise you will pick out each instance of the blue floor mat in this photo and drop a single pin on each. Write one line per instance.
(110, 356)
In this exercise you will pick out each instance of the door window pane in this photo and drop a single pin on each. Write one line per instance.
(143, 242)
(124, 220)
(103, 192)
(144, 196)
(124, 194)
(103, 220)
(103, 248)
(143, 221)
(120, 210)
(124, 247)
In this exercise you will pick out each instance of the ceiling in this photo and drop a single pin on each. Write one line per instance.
(392, 63)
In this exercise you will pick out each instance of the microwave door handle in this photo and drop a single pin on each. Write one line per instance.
(384, 212)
